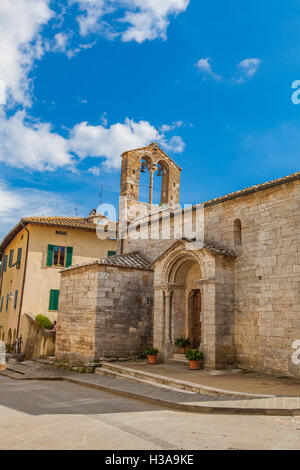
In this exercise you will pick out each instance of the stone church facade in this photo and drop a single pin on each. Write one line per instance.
(234, 291)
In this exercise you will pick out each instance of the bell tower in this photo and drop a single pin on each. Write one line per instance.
(154, 160)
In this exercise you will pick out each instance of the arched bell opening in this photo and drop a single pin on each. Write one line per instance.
(146, 180)
(161, 183)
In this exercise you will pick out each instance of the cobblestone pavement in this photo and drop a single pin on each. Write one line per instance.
(61, 415)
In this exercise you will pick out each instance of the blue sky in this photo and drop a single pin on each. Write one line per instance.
(84, 80)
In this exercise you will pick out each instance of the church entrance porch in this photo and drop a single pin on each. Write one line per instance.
(193, 298)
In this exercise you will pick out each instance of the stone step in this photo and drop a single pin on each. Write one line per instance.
(154, 379)
(180, 358)
(12, 375)
(15, 369)
(118, 375)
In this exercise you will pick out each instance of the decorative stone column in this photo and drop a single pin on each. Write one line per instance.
(159, 318)
(168, 347)
(209, 340)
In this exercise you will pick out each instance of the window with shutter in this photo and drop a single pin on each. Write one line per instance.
(19, 257)
(50, 255)
(11, 257)
(7, 300)
(5, 263)
(16, 299)
(1, 305)
(54, 299)
(69, 256)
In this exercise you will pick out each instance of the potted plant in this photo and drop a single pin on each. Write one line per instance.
(182, 342)
(195, 357)
(151, 354)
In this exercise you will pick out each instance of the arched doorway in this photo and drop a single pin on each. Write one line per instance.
(183, 302)
(190, 302)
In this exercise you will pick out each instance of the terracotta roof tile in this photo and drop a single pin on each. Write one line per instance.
(130, 260)
(66, 222)
(75, 222)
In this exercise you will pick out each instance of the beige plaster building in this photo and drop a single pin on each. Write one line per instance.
(233, 289)
(32, 255)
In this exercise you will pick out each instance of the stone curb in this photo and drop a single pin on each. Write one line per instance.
(169, 404)
(188, 407)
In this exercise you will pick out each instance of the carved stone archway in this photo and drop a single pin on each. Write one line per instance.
(183, 269)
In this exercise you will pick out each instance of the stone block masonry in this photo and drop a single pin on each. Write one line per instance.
(105, 312)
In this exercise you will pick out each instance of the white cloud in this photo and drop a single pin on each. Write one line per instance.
(111, 142)
(2, 92)
(205, 67)
(31, 145)
(61, 41)
(21, 23)
(95, 170)
(248, 68)
(15, 204)
(175, 144)
(35, 146)
(149, 19)
(171, 127)
(143, 19)
(20, 44)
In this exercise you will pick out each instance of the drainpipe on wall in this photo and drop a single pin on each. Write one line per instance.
(24, 277)
(1, 280)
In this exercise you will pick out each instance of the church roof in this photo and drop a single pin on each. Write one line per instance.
(253, 189)
(130, 260)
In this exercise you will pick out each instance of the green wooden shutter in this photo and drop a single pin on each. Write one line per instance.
(51, 303)
(54, 299)
(19, 257)
(5, 263)
(50, 255)
(111, 253)
(1, 305)
(11, 257)
(69, 256)
(16, 299)
(7, 300)
(1, 269)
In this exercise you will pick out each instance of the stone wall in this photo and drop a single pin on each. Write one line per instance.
(104, 312)
(37, 342)
(257, 295)
(266, 317)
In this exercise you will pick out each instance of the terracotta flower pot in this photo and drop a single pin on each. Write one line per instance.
(183, 350)
(152, 359)
(194, 365)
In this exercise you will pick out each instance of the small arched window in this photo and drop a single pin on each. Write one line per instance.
(237, 232)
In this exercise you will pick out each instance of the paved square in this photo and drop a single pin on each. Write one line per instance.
(60, 415)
